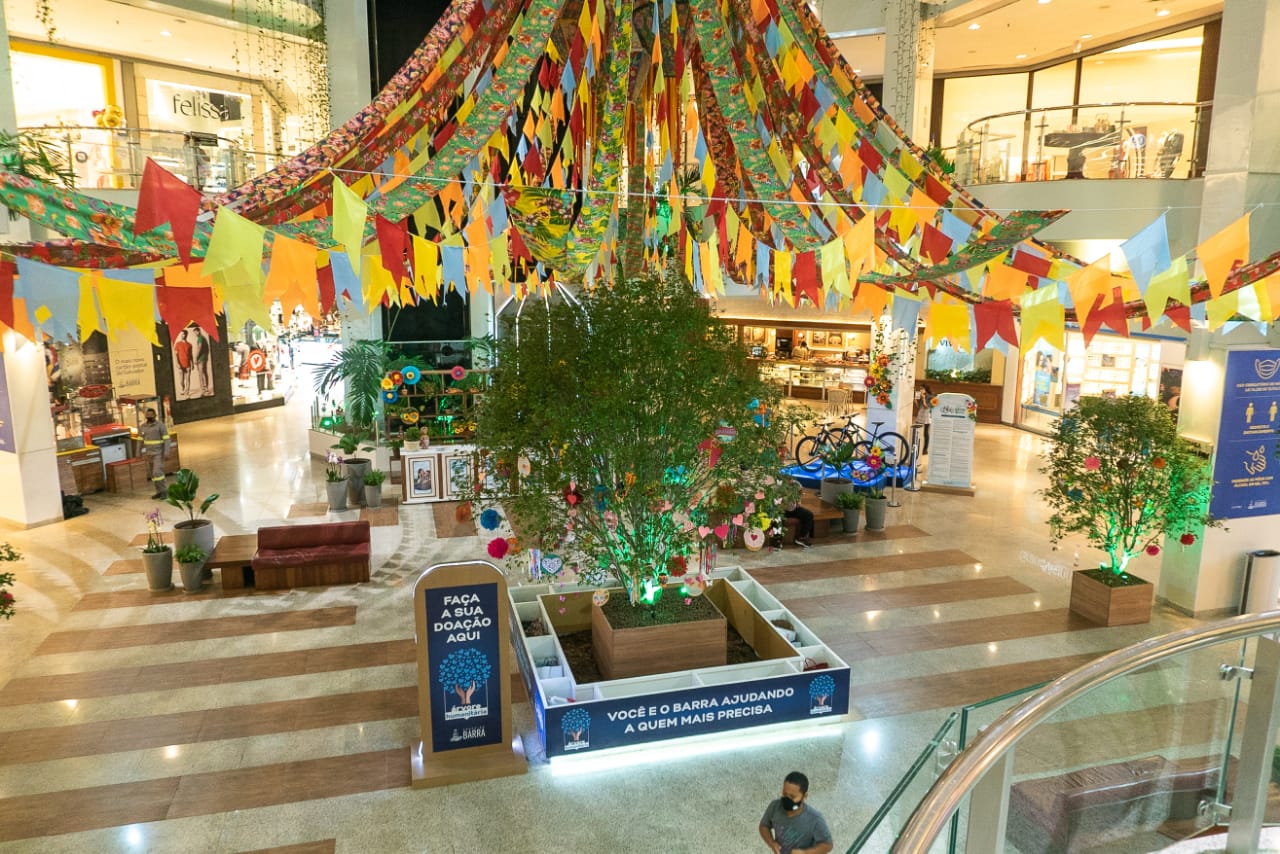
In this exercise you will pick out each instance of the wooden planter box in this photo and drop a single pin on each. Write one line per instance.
(644, 650)
(1110, 606)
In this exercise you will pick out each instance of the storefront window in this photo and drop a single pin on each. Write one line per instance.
(1052, 381)
(969, 98)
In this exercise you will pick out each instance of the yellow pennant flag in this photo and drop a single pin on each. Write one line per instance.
(1171, 284)
(949, 319)
(88, 316)
(244, 303)
(292, 271)
(349, 213)
(1221, 309)
(903, 220)
(501, 258)
(235, 241)
(1270, 287)
(378, 283)
(475, 267)
(1042, 317)
(1087, 284)
(129, 304)
(897, 185)
(782, 277)
(910, 165)
(860, 244)
(835, 270)
(426, 268)
(870, 298)
(1224, 251)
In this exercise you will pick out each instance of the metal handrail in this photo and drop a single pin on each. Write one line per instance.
(964, 772)
(1031, 110)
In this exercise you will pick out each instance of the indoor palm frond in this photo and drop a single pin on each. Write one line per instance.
(359, 365)
(33, 157)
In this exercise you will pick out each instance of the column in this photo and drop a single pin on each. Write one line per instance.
(18, 231)
(350, 79)
(908, 67)
(28, 461)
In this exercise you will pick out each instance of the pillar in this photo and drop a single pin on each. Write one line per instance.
(11, 231)
(350, 81)
(908, 67)
(28, 452)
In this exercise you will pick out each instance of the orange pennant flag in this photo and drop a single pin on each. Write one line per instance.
(1087, 284)
(1004, 282)
(1223, 252)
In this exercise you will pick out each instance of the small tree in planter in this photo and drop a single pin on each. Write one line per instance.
(1120, 475)
(610, 427)
(182, 494)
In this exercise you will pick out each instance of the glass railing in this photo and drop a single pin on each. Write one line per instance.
(1138, 139)
(1143, 748)
(113, 159)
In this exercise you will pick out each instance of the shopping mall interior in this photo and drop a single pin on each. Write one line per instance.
(257, 719)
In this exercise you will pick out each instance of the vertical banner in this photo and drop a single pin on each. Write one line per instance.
(951, 441)
(464, 676)
(1244, 471)
(7, 442)
(132, 370)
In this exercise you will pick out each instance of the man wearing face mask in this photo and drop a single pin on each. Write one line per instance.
(790, 825)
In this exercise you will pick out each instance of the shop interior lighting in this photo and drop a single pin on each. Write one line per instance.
(975, 26)
(166, 33)
(1160, 13)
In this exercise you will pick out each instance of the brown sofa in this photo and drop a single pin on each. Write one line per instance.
(311, 555)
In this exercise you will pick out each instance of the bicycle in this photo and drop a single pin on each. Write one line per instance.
(811, 450)
(894, 447)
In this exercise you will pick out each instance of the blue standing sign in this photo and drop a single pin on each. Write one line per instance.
(1244, 472)
(462, 651)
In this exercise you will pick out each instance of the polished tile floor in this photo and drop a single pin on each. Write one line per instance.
(131, 722)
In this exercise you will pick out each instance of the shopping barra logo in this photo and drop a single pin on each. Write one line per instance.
(1266, 368)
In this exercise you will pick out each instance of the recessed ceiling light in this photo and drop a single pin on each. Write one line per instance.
(187, 59)
(975, 26)
(1160, 13)
(1044, 2)
(1021, 56)
(165, 33)
(1086, 36)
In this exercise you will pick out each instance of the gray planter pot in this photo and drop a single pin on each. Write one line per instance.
(831, 488)
(357, 468)
(159, 567)
(851, 517)
(198, 533)
(192, 576)
(372, 495)
(876, 508)
(337, 491)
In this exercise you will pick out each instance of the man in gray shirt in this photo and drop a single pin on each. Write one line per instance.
(790, 825)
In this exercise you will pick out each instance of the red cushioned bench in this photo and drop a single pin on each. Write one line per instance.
(311, 555)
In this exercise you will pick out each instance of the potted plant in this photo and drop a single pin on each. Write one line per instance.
(610, 426)
(357, 467)
(416, 435)
(851, 504)
(8, 554)
(1120, 474)
(335, 483)
(837, 458)
(359, 367)
(157, 555)
(871, 476)
(182, 495)
(373, 487)
(191, 564)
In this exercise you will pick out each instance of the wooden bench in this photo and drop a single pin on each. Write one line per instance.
(823, 513)
(311, 555)
(232, 556)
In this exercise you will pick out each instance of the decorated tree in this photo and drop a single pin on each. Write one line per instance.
(462, 671)
(1120, 474)
(621, 431)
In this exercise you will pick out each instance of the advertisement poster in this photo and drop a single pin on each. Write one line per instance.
(463, 646)
(595, 725)
(1244, 473)
(7, 443)
(129, 355)
(951, 441)
(193, 363)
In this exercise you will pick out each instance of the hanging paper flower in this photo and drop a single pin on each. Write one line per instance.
(1092, 463)
(409, 416)
(514, 544)
(869, 382)
(490, 519)
(397, 377)
(410, 375)
(387, 384)
(1187, 539)
(523, 466)
(390, 396)
(1157, 462)
(463, 512)
(1153, 550)
(458, 372)
(1075, 494)
(498, 548)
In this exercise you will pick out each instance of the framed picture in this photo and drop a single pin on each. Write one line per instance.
(834, 340)
(421, 476)
(459, 473)
(818, 338)
(757, 335)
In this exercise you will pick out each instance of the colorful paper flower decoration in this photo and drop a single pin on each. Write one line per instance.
(513, 544)
(463, 512)
(390, 396)
(458, 372)
(1157, 462)
(397, 377)
(490, 519)
(409, 416)
(411, 375)
(1187, 539)
(387, 384)
(498, 548)
(1153, 550)
(1092, 463)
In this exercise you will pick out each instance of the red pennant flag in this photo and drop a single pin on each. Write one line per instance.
(393, 241)
(934, 245)
(935, 189)
(163, 197)
(1112, 315)
(1180, 315)
(328, 294)
(180, 306)
(515, 245)
(1028, 263)
(994, 318)
(868, 155)
(804, 272)
(7, 269)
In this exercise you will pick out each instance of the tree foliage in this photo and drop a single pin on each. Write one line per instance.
(822, 688)
(575, 722)
(359, 366)
(462, 670)
(613, 428)
(1120, 475)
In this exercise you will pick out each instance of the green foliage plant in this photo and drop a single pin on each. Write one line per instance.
(850, 500)
(374, 477)
(1120, 475)
(612, 427)
(190, 554)
(8, 554)
(182, 494)
(359, 367)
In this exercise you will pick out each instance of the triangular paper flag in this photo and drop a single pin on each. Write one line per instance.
(235, 242)
(950, 320)
(1223, 252)
(164, 197)
(1089, 283)
(1042, 317)
(181, 306)
(1148, 252)
(128, 298)
(1172, 284)
(349, 213)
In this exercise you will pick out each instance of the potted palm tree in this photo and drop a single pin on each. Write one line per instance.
(193, 530)
(157, 556)
(1120, 474)
(191, 564)
(359, 368)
